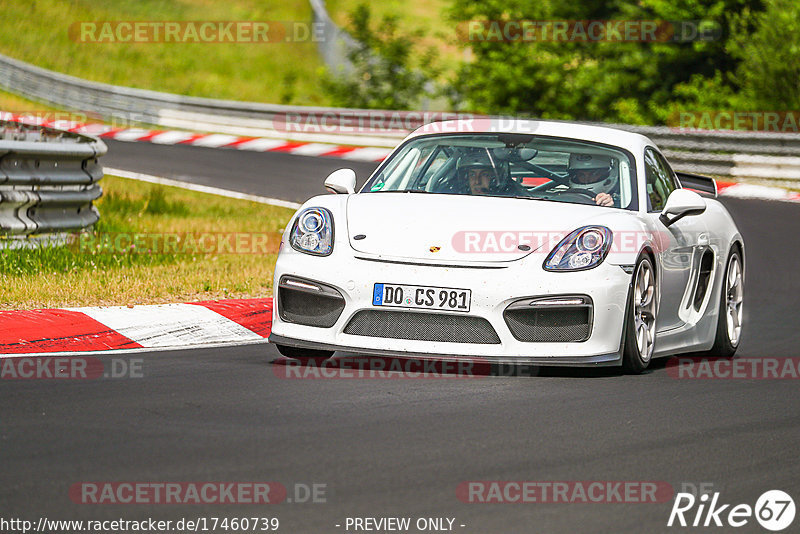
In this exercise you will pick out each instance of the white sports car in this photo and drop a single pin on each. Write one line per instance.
(513, 242)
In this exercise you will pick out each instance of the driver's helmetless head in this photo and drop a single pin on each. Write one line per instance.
(591, 172)
(480, 180)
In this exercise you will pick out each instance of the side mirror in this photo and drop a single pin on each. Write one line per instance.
(341, 181)
(681, 203)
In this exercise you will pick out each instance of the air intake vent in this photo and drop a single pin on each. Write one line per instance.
(550, 320)
(422, 327)
(309, 303)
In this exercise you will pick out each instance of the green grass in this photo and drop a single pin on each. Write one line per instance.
(17, 104)
(101, 268)
(38, 32)
(288, 73)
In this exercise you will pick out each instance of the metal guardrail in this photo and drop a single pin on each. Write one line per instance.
(335, 43)
(727, 153)
(48, 180)
(128, 104)
(745, 154)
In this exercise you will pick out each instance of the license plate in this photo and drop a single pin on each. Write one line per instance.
(427, 297)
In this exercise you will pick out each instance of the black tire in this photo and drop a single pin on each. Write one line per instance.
(723, 346)
(635, 360)
(304, 355)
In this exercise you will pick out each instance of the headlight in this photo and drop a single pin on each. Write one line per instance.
(312, 232)
(584, 248)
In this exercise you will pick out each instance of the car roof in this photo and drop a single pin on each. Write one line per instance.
(571, 130)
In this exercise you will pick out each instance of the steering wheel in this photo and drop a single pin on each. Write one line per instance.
(576, 191)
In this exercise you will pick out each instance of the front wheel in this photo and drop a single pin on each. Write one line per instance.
(640, 318)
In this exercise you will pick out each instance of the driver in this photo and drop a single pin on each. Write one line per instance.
(481, 174)
(593, 174)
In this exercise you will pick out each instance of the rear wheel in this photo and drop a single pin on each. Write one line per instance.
(729, 323)
(304, 355)
(640, 318)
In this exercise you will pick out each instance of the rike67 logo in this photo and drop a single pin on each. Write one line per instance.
(774, 510)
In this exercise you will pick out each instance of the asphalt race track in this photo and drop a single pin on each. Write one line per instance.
(401, 447)
(272, 174)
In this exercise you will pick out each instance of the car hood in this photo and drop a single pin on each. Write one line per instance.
(455, 228)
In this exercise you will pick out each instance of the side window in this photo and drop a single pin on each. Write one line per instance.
(659, 179)
(673, 179)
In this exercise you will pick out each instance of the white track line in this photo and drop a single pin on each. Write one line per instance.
(200, 188)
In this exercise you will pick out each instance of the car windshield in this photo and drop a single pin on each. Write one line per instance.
(511, 165)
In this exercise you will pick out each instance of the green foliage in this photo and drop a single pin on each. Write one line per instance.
(753, 62)
(384, 74)
(769, 57)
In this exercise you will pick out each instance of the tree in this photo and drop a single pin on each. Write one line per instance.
(384, 75)
(769, 57)
(626, 81)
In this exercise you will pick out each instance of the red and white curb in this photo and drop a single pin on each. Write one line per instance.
(208, 140)
(119, 328)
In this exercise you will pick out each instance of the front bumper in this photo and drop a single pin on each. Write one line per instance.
(494, 288)
(599, 360)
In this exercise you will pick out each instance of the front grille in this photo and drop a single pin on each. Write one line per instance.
(422, 326)
(549, 324)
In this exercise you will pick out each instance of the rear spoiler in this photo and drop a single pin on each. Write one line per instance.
(698, 183)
